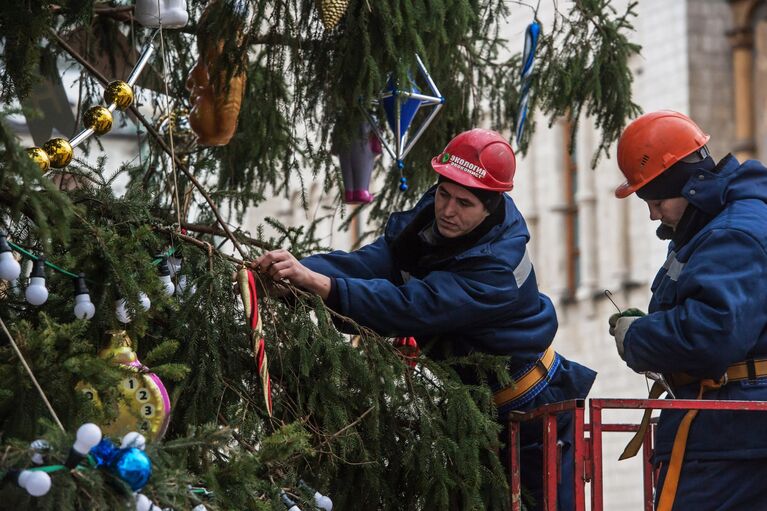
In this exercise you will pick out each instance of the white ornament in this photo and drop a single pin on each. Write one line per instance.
(168, 13)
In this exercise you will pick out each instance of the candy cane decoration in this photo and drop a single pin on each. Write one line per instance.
(250, 301)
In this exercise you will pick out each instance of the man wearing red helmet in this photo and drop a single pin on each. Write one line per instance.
(454, 273)
(706, 330)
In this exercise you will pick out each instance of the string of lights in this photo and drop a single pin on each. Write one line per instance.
(36, 292)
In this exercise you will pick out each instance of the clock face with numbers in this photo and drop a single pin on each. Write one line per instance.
(145, 406)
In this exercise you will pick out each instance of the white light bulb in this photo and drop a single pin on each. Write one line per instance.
(40, 448)
(144, 504)
(88, 435)
(36, 483)
(323, 502)
(167, 284)
(121, 311)
(9, 266)
(144, 300)
(174, 265)
(84, 308)
(133, 439)
(36, 292)
(181, 284)
(288, 502)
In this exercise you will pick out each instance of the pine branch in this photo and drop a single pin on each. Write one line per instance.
(211, 229)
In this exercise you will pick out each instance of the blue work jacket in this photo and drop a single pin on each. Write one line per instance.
(484, 299)
(709, 311)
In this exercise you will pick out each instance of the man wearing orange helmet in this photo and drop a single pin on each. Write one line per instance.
(706, 330)
(454, 273)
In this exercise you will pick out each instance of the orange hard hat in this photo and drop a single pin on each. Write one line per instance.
(478, 158)
(652, 143)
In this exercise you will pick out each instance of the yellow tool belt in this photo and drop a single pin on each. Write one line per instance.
(747, 370)
(528, 380)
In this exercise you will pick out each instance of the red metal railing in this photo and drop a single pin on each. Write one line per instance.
(587, 449)
(547, 414)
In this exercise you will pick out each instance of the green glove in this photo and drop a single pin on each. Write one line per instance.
(633, 312)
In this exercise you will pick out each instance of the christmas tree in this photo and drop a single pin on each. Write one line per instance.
(260, 401)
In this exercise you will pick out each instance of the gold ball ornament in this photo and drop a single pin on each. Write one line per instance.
(145, 404)
(119, 93)
(40, 157)
(99, 119)
(59, 152)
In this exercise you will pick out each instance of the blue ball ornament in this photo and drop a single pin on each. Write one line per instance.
(104, 452)
(403, 187)
(133, 466)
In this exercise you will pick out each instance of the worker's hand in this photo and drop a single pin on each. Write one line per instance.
(619, 331)
(281, 265)
(630, 312)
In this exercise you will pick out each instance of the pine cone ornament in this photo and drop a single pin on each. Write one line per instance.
(331, 12)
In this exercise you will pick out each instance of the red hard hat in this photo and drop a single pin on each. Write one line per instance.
(653, 143)
(478, 159)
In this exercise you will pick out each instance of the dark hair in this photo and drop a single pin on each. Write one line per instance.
(490, 199)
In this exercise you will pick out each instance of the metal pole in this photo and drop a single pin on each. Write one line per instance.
(421, 129)
(579, 454)
(551, 467)
(515, 484)
(596, 455)
(142, 60)
(427, 77)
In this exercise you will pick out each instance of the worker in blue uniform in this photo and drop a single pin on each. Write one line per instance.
(706, 328)
(454, 272)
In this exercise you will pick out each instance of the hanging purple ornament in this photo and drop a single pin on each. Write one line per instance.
(357, 160)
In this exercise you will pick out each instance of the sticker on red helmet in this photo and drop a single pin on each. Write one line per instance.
(468, 167)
